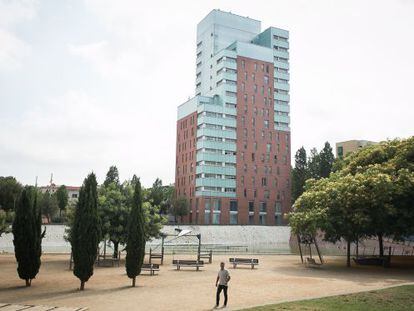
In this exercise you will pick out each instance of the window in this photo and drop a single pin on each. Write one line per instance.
(266, 124)
(278, 208)
(255, 66)
(217, 205)
(264, 181)
(216, 218)
(268, 148)
(233, 206)
(266, 79)
(207, 212)
(280, 38)
(251, 207)
(233, 218)
(262, 207)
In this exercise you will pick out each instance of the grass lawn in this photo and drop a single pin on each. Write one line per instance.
(395, 299)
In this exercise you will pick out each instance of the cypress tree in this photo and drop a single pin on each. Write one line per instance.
(27, 235)
(85, 233)
(135, 247)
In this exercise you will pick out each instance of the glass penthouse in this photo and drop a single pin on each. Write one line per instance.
(233, 137)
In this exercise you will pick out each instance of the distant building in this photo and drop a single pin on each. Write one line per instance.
(73, 191)
(349, 146)
(233, 137)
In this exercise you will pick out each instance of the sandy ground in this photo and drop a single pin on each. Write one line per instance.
(277, 279)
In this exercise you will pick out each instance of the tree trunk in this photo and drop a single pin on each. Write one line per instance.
(116, 244)
(348, 254)
(357, 249)
(381, 245)
(28, 282)
(133, 282)
(82, 287)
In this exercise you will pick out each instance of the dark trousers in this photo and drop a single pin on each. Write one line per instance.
(219, 288)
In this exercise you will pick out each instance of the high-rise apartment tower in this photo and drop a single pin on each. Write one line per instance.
(233, 137)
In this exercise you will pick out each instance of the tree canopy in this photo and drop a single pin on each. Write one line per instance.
(86, 231)
(135, 245)
(10, 190)
(317, 165)
(27, 235)
(62, 198)
(371, 194)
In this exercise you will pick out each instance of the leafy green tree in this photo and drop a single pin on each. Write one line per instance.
(27, 235)
(62, 199)
(168, 194)
(6, 219)
(112, 176)
(180, 207)
(370, 194)
(49, 205)
(10, 190)
(86, 231)
(153, 220)
(135, 246)
(299, 173)
(113, 212)
(326, 160)
(156, 192)
(314, 164)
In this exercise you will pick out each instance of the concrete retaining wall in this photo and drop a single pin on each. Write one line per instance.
(273, 239)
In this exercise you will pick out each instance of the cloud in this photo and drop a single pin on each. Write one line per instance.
(110, 61)
(13, 49)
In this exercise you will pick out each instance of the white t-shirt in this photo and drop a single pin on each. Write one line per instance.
(223, 277)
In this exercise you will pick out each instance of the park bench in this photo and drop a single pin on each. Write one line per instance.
(107, 260)
(188, 263)
(310, 262)
(244, 261)
(156, 255)
(151, 267)
(373, 261)
(206, 255)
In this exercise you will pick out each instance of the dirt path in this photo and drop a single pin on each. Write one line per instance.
(278, 279)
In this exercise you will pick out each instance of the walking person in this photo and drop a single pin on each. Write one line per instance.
(222, 280)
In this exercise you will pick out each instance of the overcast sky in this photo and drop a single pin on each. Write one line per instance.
(88, 84)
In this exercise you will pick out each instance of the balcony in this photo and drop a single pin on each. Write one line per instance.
(216, 133)
(222, 170)
(216, 157)
(216, 145)
(219, 121)
(216, 182)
